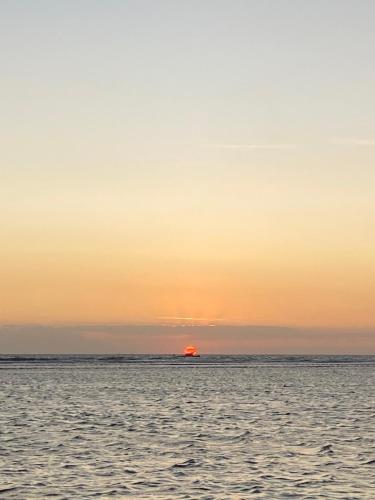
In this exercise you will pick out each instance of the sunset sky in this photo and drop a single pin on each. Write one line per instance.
(184, 164)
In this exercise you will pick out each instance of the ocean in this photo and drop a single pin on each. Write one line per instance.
(166, 427)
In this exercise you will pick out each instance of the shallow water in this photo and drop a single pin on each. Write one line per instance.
(232, 427)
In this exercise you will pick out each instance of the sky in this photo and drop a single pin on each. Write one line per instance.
(166, 166)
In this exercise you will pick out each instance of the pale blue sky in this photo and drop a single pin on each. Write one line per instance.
(158, 79)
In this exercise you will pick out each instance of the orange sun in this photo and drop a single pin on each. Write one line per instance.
(191, 350)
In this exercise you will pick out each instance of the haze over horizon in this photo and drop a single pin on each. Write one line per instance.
(201, 162)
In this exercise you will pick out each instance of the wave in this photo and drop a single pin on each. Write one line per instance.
(98, 360)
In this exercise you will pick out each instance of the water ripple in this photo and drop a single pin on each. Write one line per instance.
(266, 430)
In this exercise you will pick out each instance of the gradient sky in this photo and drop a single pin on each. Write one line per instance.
(210, 160)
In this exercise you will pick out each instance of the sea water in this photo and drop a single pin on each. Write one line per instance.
(165, 427)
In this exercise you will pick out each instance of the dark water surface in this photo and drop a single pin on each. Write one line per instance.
(216, 427)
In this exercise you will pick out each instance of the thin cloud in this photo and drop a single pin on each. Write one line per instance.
(255, 146)
(353, 142)
(189, 317)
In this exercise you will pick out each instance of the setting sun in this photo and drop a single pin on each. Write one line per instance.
(191, 351)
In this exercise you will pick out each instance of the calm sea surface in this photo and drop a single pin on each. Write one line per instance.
(217, 427)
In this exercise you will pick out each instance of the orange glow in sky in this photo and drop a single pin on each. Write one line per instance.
(198, 180)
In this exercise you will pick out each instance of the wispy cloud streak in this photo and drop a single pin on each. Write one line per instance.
(353, 142)
(255, 146)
